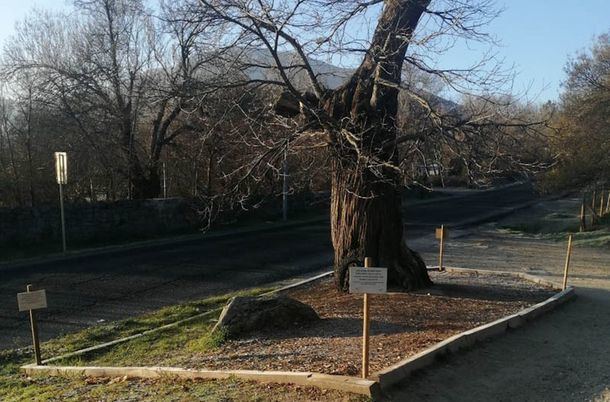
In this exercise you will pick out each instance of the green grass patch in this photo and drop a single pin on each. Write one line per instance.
(209, 341)
(164, 341)
(77, 389)
(152, 349)
(555, 220)
(170, 346)
(551, 223)
(594, 238)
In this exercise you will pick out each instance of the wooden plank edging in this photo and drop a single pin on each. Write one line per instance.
(341, 383)
(299, 283)
(403, 369)
(371, 387)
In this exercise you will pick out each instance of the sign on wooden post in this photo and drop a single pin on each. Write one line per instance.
(61, 174)
(61, 167)
(367, 280)
(582, 217)
(441, 233)
(30, 301)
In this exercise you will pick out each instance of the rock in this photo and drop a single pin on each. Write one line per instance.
(243, 315)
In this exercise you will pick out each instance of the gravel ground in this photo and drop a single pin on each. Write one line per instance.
(563, 356)
(401, 325)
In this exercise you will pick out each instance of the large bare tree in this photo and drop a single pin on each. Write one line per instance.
(252, 85)
(357, 118)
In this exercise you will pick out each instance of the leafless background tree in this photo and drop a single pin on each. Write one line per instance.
(357, 115)
(583, 140)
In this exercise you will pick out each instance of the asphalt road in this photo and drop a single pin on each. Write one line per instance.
(93, 289)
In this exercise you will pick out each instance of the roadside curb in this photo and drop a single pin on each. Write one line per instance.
(372, 386)
(299, 283)
(145, 244)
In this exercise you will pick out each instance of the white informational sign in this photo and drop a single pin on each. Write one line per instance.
(61, 167)
(368, 280)
(441, 232)
(32, 300)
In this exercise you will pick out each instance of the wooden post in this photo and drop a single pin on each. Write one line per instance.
(368, 262)
(608, 202)
(593, 208)
(567, 266)
(582, 217)
(285, 186)
(441, 248)
(601, 205)
(91, 191)
(35, 339)
(164, 180)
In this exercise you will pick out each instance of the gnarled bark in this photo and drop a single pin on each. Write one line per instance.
(366, 221)
(366, 211)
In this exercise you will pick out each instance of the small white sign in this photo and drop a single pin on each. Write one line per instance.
(32, 300)
(61, 167)
(368, 280)
(441, 233)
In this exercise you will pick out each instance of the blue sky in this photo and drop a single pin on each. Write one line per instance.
(14, 10)
(537, 36)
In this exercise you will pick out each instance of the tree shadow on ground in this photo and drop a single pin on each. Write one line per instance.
(335, 327)
(491, 292)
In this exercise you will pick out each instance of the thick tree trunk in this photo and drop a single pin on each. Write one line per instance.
(360, 121)
(366, 221)
(146, 185)
(366, 213)
(144, 177)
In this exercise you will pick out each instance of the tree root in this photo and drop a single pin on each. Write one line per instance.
(406, 273)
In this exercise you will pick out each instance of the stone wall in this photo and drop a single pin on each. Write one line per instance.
(102, 221)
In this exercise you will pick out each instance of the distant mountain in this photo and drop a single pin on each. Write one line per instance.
(261, 66)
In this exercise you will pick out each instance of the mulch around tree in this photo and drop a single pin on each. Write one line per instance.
(402, 325)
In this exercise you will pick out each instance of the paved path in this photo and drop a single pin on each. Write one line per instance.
(564, 356)
(93, 289)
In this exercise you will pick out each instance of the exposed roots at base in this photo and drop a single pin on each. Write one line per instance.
(405, 273)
